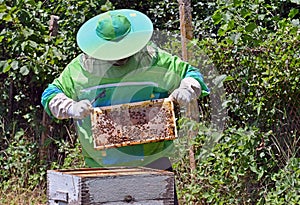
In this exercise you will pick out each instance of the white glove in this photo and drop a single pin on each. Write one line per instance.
(63, 107)
(188, 90)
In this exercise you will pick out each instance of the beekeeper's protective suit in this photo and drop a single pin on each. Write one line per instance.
(119, 65)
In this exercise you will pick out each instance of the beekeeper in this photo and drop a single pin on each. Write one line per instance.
(120, 64)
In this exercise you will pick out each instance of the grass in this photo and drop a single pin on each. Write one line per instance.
(19, 196)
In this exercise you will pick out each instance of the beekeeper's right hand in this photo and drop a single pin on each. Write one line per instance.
(63, 107)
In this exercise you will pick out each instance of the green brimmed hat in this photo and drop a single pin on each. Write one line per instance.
(115, 35)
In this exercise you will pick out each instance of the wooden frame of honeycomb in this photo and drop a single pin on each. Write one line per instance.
(133, 123)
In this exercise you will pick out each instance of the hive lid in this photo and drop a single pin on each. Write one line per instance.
(111, 171)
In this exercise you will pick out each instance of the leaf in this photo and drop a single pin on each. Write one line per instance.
(250, 27)
(1, 15)
(260, 173)
(217, 17)
(7, 17)
(206, 195)
(221, 32)
(235, 37)
(296, 1)
(230, 25)
(259, 108)
(3, 7)
(245, 13)
(19, 134)
(228, 78)
(253, 168)
(227, 16)
(237, 2)
(261, 17)
(27, 32)
(293, 13)
(6, 67)
(24, 70)
(2, 63)
(295, 22)
(32, 44)
(15, 65)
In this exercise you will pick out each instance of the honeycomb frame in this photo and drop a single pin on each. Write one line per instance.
(133, 123)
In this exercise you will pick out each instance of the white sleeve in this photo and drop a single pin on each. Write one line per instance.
(59, 106)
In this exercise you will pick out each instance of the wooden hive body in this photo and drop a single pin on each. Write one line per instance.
(110, 186)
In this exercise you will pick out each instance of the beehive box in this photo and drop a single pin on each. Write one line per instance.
(113, 186)
(133, 123)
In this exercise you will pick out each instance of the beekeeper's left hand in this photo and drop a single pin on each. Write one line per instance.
(188, 90)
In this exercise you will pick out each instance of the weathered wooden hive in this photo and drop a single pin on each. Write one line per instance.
(110, 186)
(133, 123)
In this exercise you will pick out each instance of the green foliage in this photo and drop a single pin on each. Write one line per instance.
(72, 155)
(258, 51)
(165, 14)
(287, 183)
(249, 22)
(18, 164)
(263, 89)
(30, 54)
(30, 59)
(238, 168)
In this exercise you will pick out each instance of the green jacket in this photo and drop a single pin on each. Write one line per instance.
(149, 74)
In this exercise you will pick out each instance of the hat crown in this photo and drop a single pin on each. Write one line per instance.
(113, 27)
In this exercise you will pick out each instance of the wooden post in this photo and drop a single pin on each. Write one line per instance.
(186, 25)
(187, 34)
(11, 99)
(42, 149)
(53, 29)
(183, 30)
(53, 26)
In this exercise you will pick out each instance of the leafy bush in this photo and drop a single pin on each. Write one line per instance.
(262, 90)
(18, 165)
(259, 54)
(287, 183)
(238, 168)
(31, 58)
